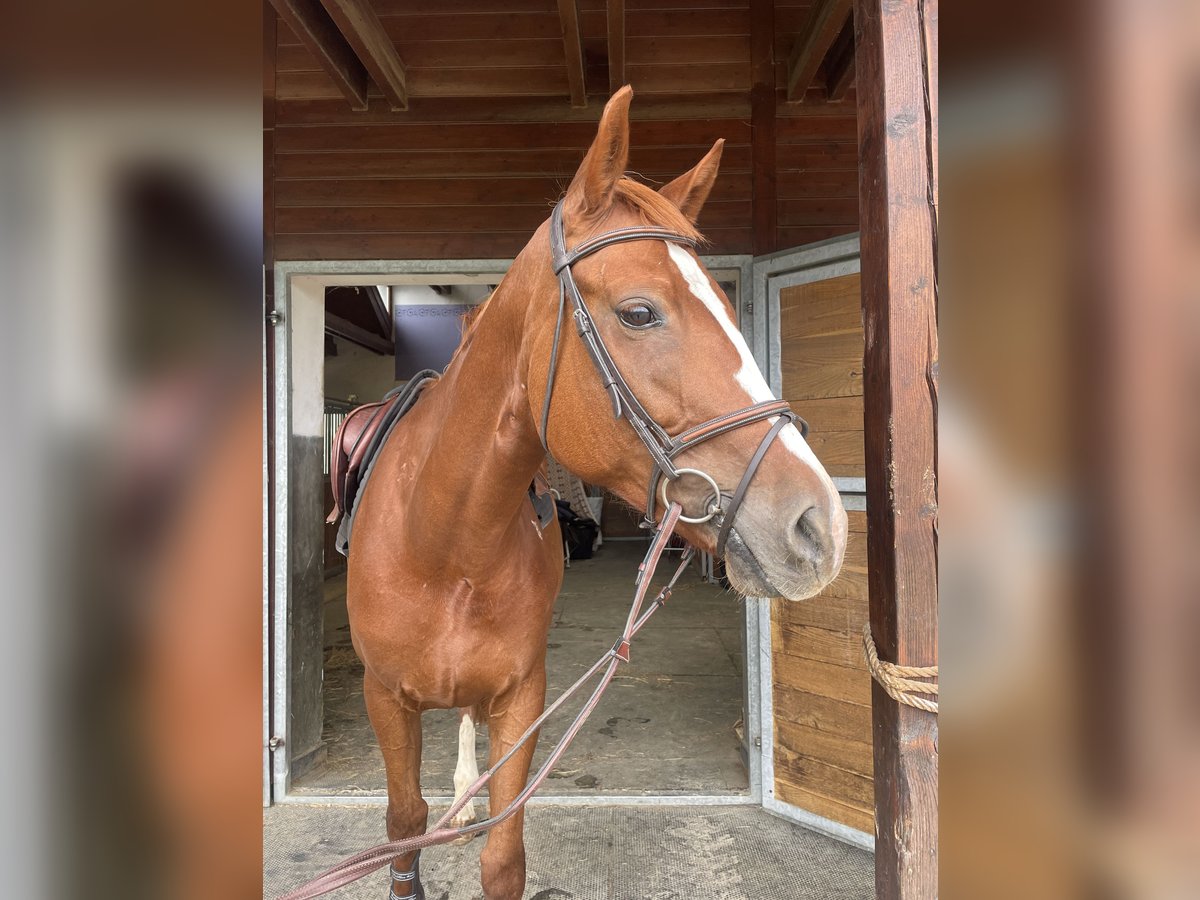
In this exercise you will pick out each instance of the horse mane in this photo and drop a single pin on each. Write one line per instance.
(652, 207)
(655, 209)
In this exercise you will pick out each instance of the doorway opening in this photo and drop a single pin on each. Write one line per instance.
(673, 724)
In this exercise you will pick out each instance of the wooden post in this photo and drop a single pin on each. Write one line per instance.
(896, 65)
(764, 204)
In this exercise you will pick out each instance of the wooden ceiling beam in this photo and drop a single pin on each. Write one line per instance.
(356, 334)
(379, 307)
(366, 35)
(317, 31)
(616, 45)
(839, 65)
(568, 15)
(824, 24)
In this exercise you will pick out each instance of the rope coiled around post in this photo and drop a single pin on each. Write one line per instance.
(899, 681)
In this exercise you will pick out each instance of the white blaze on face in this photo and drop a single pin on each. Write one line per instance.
(748, 376)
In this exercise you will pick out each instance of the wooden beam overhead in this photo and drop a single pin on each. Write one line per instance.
(379, 307)
(616, 45)
(317, 31)
(823, 26)
(365, 33)
(568, 15)
(356, 334)
(839, 65)
(897, 126)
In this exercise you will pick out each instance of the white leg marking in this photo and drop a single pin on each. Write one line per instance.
(748, 376)
(467, 769)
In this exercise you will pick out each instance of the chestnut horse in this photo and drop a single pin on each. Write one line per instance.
(452, 581)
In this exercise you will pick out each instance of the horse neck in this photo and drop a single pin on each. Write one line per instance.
(483, 447)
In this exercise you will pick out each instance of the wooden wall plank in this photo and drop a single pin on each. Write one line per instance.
(852, 756)
(664, 162)
(818, 155)
(841, 452)
(830, 306)
(510, 217)
(824, 366)
(468, 110)
(569, 135)
(830, 809)
(845, 720)
(841, 648)
(837, 682)
(457, 245)
(854, 789)
(828, 184)
(832, 612)
(491, 191)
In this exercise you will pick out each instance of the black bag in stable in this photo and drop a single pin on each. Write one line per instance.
(578, 532)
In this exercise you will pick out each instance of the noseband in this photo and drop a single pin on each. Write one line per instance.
(664, 449)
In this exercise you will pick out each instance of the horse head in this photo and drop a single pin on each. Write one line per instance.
(672, 334)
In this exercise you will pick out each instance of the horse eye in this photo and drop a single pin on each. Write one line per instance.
(637, 315)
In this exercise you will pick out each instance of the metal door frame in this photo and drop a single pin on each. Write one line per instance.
(297, 284)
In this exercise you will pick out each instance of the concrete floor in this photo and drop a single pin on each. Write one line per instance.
(665, 726)
(580, 853)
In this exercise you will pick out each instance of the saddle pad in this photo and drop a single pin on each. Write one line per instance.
(359, 458)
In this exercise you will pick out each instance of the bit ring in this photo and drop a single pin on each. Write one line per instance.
(714, 507)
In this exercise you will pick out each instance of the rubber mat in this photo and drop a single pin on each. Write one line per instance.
(600, 853)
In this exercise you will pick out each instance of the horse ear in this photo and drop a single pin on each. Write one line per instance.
(607, 158)
(691, 189)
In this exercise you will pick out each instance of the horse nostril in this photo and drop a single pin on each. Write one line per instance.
(811, 533)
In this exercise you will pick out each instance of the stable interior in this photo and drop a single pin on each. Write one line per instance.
(672, 721)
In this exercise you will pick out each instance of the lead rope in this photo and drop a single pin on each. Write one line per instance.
(361, 864)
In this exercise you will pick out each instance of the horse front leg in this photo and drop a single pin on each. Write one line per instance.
(398, 729)
(466, 771)
(503, 859)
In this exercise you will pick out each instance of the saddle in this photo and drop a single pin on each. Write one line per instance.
(357, 444)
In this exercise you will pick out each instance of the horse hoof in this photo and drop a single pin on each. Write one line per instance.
(463, 822)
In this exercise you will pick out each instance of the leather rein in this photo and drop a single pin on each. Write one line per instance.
(663, 449)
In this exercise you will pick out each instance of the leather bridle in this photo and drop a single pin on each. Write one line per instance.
(664, 449)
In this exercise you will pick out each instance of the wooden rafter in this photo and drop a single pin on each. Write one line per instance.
(321, 36)
(365, 33)
(616, 45)
(823, 26)
(568, 15)
(356, 334)
(379, 307)
(839, 65)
